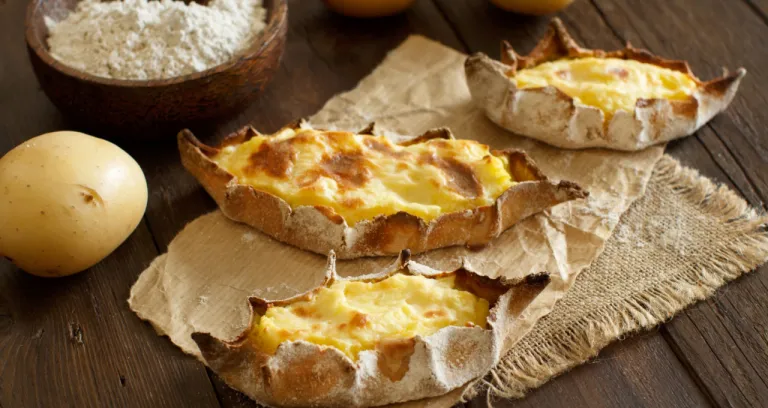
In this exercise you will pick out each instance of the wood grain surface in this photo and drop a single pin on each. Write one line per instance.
(74, 342)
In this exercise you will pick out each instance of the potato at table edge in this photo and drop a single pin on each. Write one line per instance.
(532, 7)
(368, 8)
(68, 200)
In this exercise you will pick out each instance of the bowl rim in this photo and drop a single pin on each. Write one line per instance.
(278, 13)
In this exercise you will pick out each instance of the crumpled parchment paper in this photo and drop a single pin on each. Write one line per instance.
(214, 264)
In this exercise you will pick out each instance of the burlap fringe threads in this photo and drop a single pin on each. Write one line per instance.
(530, 365)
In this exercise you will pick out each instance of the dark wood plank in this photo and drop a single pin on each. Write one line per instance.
(588, 26)
(481, 26)
(644, 384)
(715, 338)
(722, 340)
(703, 335)
(73, 341)
(709, 339)
(325, 54)
(728, 164)
(709, 336)
(760, 7)
(710, 34)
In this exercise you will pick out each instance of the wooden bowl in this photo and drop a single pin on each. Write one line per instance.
(97, 101)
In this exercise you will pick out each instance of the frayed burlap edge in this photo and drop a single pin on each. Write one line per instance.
(519, 372)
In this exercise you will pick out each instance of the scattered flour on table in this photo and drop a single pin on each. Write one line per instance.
(141, 39)
(280, 291)
(248, 237)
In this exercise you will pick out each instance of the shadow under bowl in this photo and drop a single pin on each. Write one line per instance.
(134, 104)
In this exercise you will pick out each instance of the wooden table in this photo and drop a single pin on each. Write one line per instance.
(73, 342)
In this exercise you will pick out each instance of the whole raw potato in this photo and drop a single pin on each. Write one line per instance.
(533, 7)
(368, 8)
(67, 200)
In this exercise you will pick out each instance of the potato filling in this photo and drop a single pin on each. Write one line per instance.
(360, 177)
(356, 316)
(609, 84)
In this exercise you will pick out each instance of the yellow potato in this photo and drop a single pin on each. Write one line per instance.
(533, 7)
(67, 201)
(368, 8)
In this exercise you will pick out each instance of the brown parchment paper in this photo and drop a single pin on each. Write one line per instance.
(213, 265)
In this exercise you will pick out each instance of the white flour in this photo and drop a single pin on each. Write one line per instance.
(140, 39)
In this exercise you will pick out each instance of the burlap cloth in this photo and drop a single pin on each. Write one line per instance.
(682, 240)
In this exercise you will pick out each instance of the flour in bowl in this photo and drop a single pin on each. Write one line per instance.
(141, 39)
